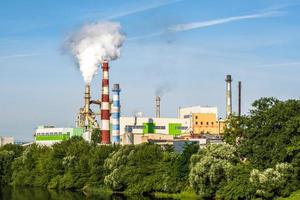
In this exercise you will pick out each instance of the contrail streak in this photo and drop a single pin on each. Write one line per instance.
(142, 9)
(208, 23)
(203, 24)
(19, 56)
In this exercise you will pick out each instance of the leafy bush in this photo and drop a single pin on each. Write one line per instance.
(211, 167)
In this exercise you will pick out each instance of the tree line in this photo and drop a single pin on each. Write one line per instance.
(260, 160)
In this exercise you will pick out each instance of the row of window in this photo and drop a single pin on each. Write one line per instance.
(181, 127)
(51, 133)
(207, 123)
(142, 127)
(155, 127)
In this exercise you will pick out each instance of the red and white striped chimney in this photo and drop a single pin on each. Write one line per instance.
(105, 105)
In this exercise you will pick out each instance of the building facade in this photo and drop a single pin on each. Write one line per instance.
(203, 120)
(49, 135)
(6, 140)
(207, 123)
(144, 125)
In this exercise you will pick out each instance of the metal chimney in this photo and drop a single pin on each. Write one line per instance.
(116, 114)
(228, 96)
(239, 98)
(157, 107)
(105, 106)
(87, 99)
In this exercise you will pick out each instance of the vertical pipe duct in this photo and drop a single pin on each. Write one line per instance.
(105, 105)
(239, 98)
(87, 99)
(157, 107)
(228, 96)
(116, 114)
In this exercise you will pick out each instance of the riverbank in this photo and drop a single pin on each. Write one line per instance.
(97, 190)
(185, 195)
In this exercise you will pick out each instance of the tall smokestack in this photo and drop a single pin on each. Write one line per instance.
(157, 107)
(87, 99)
(105, 106)
(228, 96)
(239, 98)
(116, 114)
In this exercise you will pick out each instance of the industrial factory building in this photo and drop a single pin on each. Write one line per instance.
(203, 120)
(193, 123)
(49, 135)
(6, 140)
(144, 125)
(195, 120)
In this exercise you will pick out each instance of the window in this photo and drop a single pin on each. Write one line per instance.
(196, 117)
(206, 123)
(201, 123)
(196, 123)
(181, 127)
(212, 123)
(137, 127)
(160, 127)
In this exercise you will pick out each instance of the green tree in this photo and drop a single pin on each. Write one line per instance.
(269, 134)
(211, 167)
(238, 186)
(272, 182)
(96, 136)
(6, 158)
(8, 153)
(141, 169)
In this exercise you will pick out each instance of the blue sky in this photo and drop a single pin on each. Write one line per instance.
(41, 84)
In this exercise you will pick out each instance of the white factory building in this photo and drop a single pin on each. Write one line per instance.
(6, 140)
(49, 135)
(187, 112)
(134, 129)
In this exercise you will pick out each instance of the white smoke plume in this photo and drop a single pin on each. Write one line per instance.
(93, 44)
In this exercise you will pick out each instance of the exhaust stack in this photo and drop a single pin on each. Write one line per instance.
(87, 99)
(228, 96)
(105, 105)
(239, 98)
(116, 114)
(157, 107)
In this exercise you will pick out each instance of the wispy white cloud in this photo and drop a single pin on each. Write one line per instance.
(208, 23)
(19, 56)
(204, 24)
(141, 9)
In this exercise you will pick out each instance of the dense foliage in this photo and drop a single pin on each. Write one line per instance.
(260, 160)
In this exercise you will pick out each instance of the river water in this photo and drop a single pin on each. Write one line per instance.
(9, 193)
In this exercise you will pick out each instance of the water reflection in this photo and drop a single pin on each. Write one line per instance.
(9, 193)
